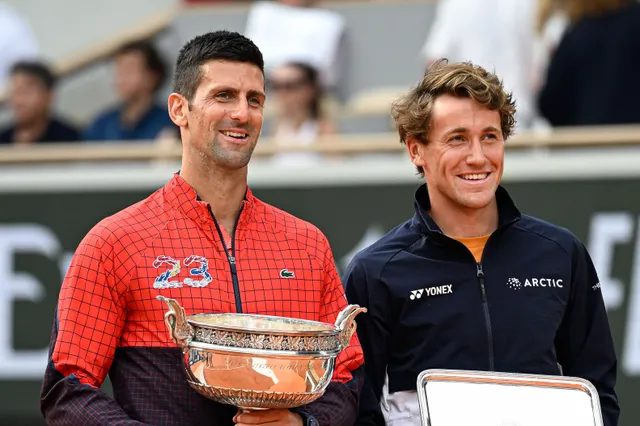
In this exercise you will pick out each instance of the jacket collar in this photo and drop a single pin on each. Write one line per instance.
(185, 199)
(507, 210)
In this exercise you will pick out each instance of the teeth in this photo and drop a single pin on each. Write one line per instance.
(477, 176)
(234, 134)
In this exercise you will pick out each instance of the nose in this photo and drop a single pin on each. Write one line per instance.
(240, 112)
(476, 155)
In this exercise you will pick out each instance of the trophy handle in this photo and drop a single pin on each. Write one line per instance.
(180, 331)
(346, 325)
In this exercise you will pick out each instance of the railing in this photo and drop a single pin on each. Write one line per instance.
(607, 136)
(102, 51)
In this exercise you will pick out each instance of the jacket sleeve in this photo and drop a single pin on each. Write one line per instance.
(584, 343)
(87, 328)
(374, 334)
(339, 404)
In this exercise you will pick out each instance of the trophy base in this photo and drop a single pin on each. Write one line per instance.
(252, 400)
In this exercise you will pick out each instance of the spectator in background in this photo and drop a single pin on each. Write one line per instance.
(591, 76)
(551, 23)
(31, 92)
(295, 30)
(499, 35)
(139, 74)
(299, 120)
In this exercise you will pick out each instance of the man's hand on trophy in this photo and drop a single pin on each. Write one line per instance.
(281, 417)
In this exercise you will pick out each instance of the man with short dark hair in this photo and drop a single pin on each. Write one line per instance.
(470, 283)
(108, 320)
(31, 91)
(139, 73)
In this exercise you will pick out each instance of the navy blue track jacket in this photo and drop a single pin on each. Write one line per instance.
(532, 305)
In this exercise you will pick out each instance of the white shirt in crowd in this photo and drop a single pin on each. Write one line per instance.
(17, 41)
(498, 35)
(287, 33)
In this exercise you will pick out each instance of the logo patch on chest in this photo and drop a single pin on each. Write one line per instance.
(431, 291)
(198, 273)
(285, 273)
(517, 284)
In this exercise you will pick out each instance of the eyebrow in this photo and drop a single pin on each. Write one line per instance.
(217, 89)
(465, 130)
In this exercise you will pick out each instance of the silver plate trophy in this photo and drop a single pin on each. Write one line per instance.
(454, 397)
(258, 362)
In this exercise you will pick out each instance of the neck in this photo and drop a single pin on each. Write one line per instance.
(223, 189)
(467, 223)
(30, 131)
(135, 108)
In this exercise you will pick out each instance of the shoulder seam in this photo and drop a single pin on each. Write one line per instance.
(517, 226)
(146, 245)
(308, 227)
(404, 248)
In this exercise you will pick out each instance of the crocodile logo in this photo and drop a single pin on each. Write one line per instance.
(285, 273)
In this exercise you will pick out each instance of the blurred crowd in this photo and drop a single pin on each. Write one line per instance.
(567, 62)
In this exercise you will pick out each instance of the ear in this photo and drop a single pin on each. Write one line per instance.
(178, 108)
(416, 150)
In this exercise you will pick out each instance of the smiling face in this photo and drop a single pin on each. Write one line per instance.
(463, 156)
(222, 123)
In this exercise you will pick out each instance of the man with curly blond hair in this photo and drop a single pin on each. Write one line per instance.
(470, 283)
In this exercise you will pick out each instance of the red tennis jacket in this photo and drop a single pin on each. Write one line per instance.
(108, 321)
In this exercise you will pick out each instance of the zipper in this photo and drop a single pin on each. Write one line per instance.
(231, 257)
(487, 318)
(483, 289)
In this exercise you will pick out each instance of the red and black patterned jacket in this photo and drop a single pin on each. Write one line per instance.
(108, 321)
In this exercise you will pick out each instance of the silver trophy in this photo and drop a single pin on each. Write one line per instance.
(453, 397)
(258, 362)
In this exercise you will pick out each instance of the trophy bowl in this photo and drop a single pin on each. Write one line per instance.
(259, 362)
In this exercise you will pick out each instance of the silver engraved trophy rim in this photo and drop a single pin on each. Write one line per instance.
(321, 329)
(298, 341)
